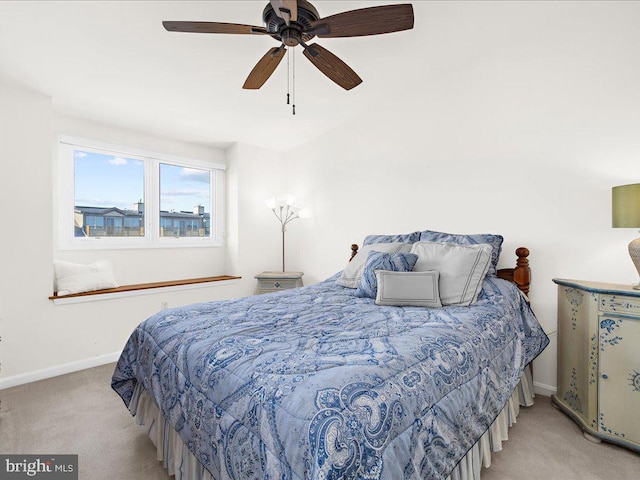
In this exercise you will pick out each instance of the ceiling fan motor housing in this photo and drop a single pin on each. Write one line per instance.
(291, 35)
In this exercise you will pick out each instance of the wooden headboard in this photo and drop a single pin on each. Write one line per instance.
(520, 275)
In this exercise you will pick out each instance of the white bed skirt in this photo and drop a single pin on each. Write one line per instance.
(181, 463)
(480, 454)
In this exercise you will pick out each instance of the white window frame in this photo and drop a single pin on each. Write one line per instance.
(152, 161)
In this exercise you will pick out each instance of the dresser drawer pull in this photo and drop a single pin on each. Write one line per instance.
(605, 376)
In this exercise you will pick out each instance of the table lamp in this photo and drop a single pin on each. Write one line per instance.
(626, 214)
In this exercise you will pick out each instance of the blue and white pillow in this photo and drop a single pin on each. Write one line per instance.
(352, 273)
(395, 262)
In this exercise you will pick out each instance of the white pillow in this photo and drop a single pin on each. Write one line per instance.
(413, 289)
(78, 278)
(462, 268)
(352, 273)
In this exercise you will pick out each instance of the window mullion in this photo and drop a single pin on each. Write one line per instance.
(153, 199)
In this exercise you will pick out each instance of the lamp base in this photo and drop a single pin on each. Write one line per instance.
(634, 253)
(636, 286)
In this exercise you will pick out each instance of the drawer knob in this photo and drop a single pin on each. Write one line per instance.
(604, 375)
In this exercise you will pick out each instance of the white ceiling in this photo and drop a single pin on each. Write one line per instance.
(113, 62)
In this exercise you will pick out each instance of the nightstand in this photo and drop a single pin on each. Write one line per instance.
(599, 359)
(275, 281)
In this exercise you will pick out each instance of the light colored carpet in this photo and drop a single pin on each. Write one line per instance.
(80, 414)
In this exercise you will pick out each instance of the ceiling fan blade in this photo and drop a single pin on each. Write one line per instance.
(286, 9)
(214, 27)
(365, 21)
(264, 68)
(332, 66)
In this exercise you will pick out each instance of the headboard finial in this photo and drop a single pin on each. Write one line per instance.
(522, 254)
(354, 251)
(522, 272)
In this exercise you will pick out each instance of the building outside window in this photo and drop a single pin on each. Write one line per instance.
(100, 222)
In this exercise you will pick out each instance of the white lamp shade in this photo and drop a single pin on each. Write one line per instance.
(304, 213)
(271, 203)
(286, 199)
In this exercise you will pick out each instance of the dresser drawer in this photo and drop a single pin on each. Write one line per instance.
(619, 304)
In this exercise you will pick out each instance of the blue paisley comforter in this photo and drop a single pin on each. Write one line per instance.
(316, 383)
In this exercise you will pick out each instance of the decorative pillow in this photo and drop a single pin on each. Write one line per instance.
(494, 240)
(412, 237)
(462, 268)
(412, 289)
(351, 274)
(78, 278)
(396, 262)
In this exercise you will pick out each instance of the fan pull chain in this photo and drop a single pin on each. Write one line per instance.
(288, 53)
(294, 82)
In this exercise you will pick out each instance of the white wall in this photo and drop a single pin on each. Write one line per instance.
(25, 240)
(39, 338)
(253, 175)
(516, 118)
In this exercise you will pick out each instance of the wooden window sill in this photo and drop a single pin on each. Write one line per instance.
(142, 289)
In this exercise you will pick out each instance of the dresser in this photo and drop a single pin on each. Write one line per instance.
(275, 281)
(599, 359)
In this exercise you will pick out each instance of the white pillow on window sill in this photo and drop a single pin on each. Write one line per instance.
(78, 278)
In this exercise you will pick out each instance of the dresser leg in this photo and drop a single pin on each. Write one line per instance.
(591, 438)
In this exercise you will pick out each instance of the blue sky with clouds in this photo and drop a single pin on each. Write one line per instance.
(103, 180)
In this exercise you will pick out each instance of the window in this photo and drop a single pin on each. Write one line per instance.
(185, 194)
(103, 187)
(115, 197)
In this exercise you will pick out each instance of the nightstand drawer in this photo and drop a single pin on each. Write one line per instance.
(269, 282)
(277, 284)
(619, 304)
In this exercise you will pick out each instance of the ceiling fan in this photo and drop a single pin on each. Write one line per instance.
(296, 22)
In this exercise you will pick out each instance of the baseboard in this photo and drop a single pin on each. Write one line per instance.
(545, 390)
(58, 370)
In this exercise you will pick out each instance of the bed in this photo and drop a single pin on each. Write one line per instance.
(319, 383)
